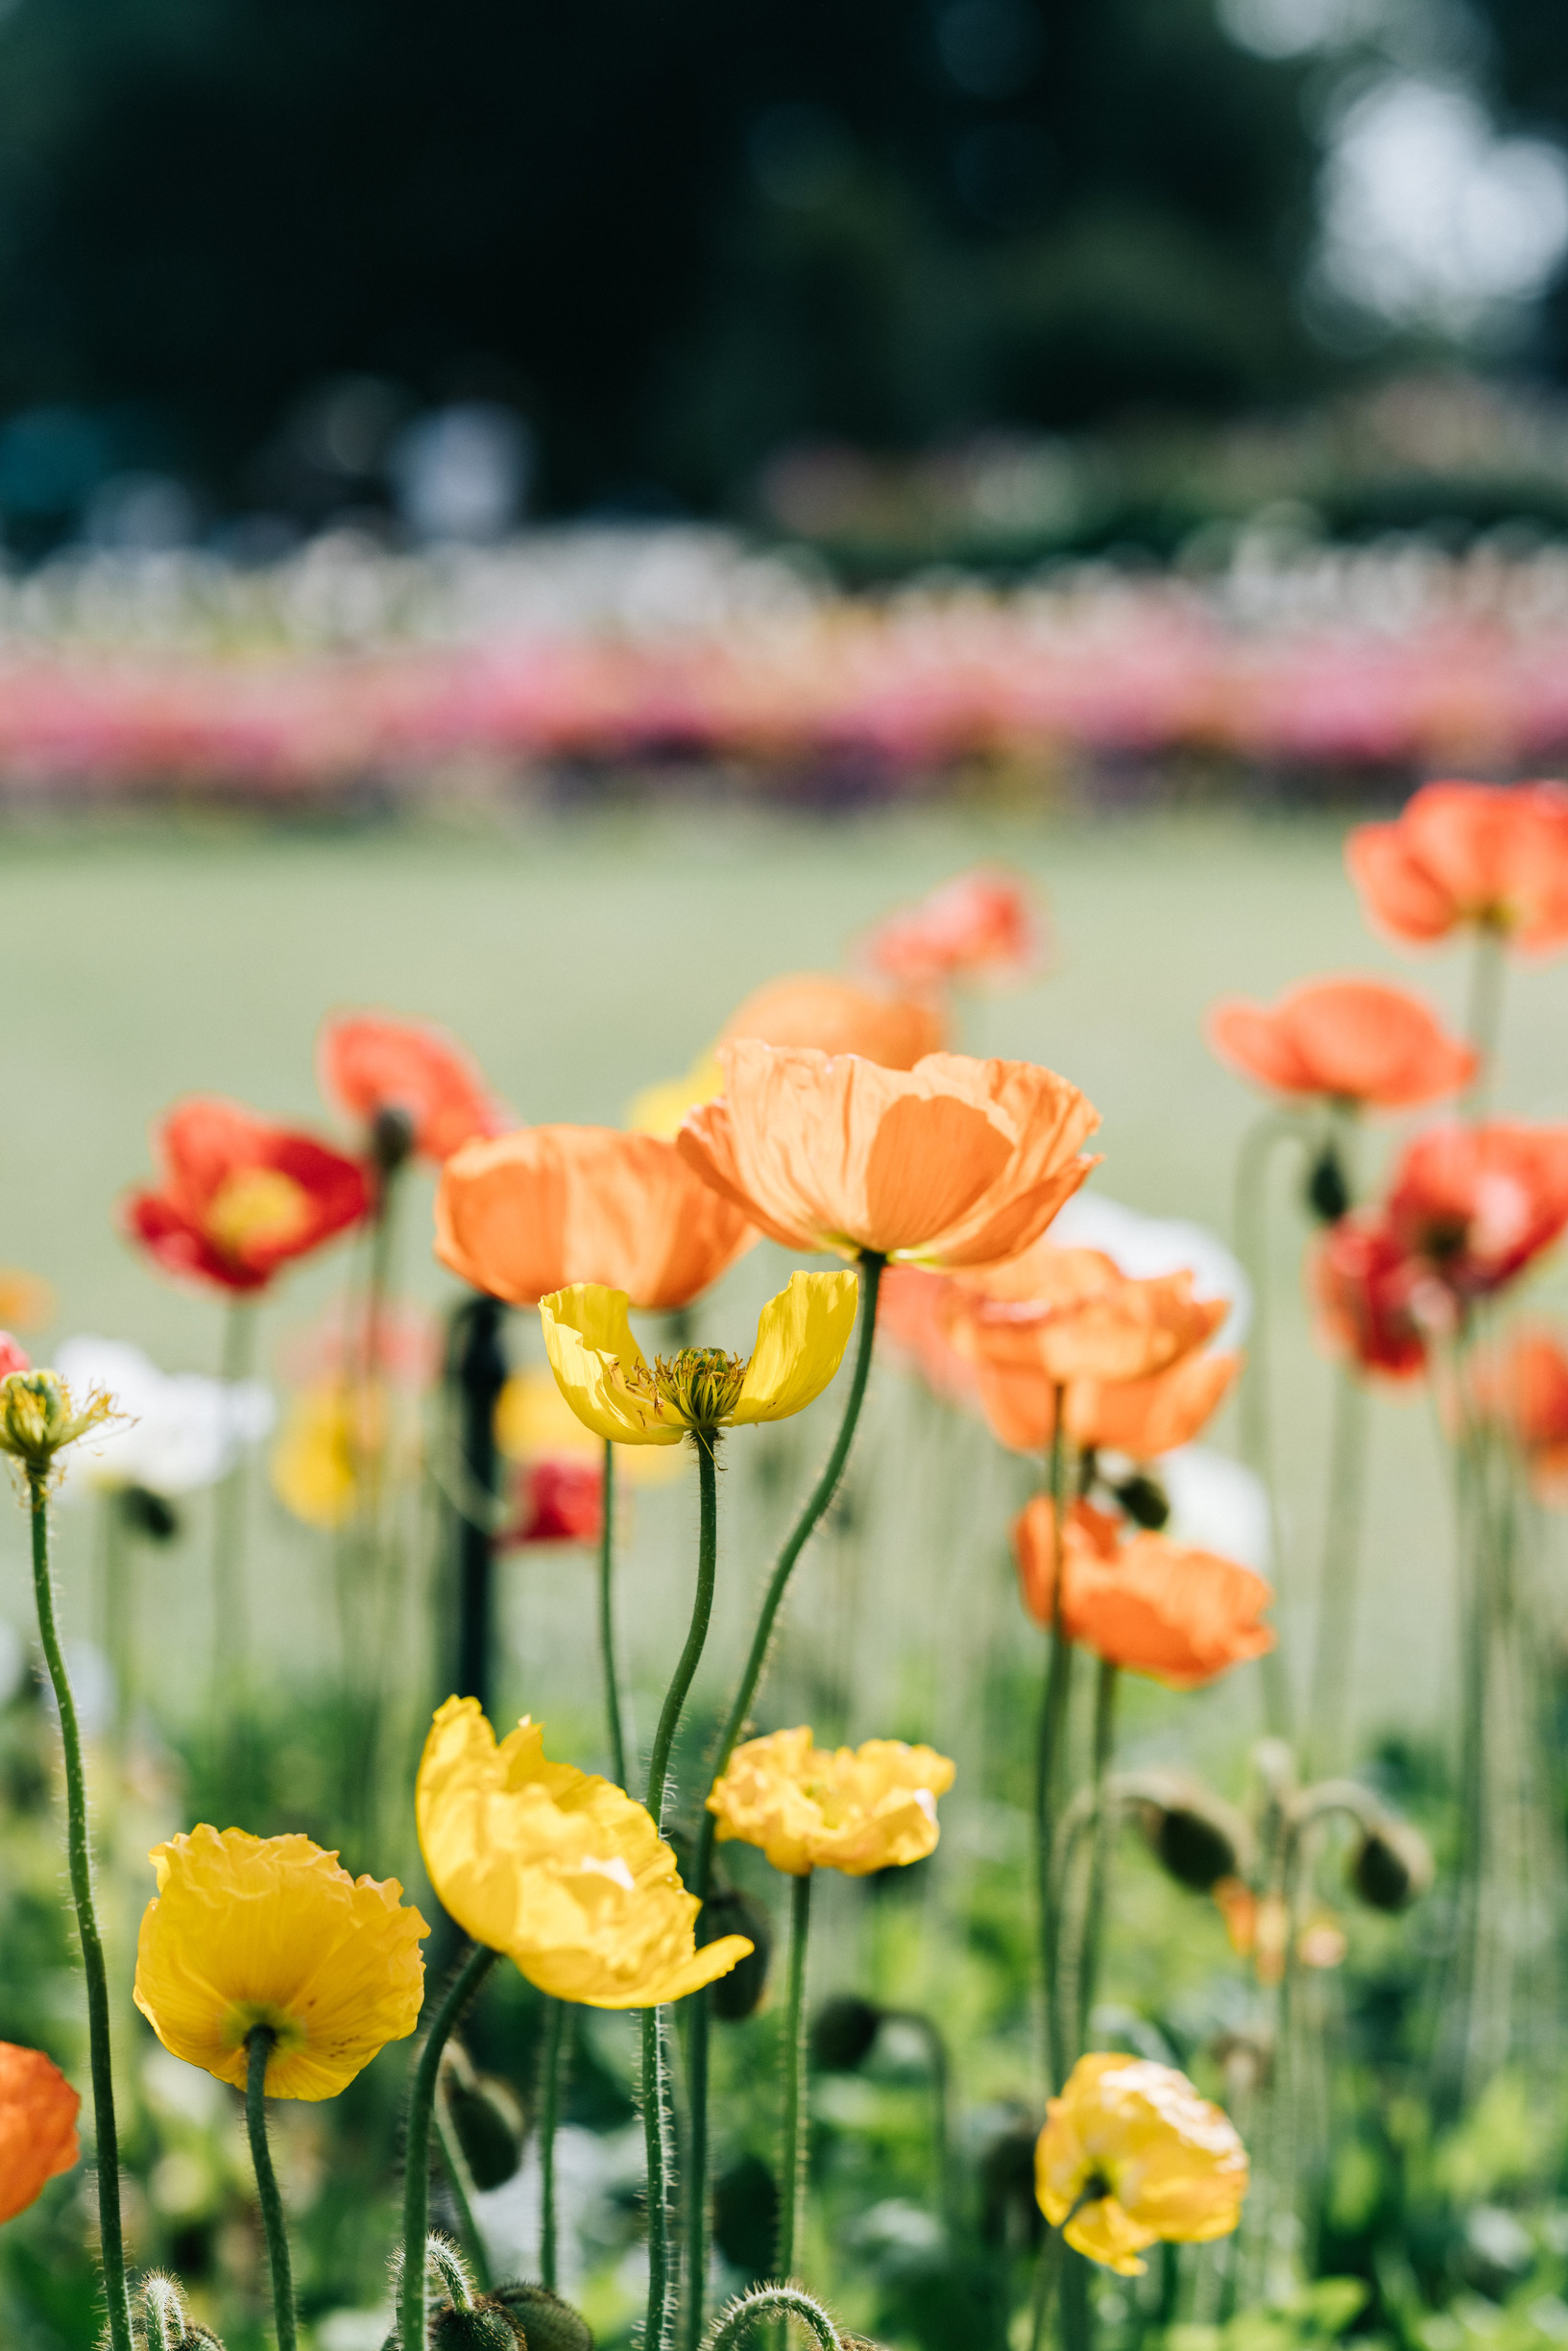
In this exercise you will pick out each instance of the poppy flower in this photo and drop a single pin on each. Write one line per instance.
(247, 1932)
(1491, 856)
(1527, 1388)
(1148, 1605)
(854, 1808)
(614, 1391)
(239, 1197)
(1478, 1203)
(556, 1502)
(549, 1206)
(369, 1065)
(555, 1867)
(1377, 1304)
(838, 1016)
(181, 1432)
(956, 1162)
(985, 926)
(38, 2126)
(1360, 1041)
(1130, 2156)
(1070, 1315)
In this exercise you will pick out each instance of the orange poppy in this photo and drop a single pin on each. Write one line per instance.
(238, 1197)
(956, 1162)
(533, 1212)
(38, 2126)
(1528, 1387)
(1354, 1040)
(836, 1016)
(1150, 1606)
(1478, 1204)
(1072, 1315)
(1377, 1303)
(369, 1064)
(985, 926)
(1494, 856)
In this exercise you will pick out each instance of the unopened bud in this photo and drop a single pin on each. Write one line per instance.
(1145, 1501)
(487, 2121)
(728, 1911)
(544, 2323)
(392, 1137)
(1195, 1837)
(1391, 1867)
(842, 2032)
(482, 2327)
(1328, 1189)
(149, 1515)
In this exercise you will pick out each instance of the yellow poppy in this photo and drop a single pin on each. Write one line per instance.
(611, 1388)
(248, 1930)
(315, 1464)
(558, 1869)
(660, 1109)
(855, 1809)
(1131, 2154)
(534, 1422)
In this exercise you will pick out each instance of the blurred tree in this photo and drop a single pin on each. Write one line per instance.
(676, 232)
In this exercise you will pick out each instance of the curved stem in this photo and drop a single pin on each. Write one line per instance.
(259, 2048)
(557, 2054)
(79, 1857)
(734, 2324)
(656, 2141)
(1253, 1161)
(1099, 1867)
(460, 2183)
(784, 1566)
(412, 2298)
(614, 1716)
(1337, 1586)
(701, 1610)
(792, 2163)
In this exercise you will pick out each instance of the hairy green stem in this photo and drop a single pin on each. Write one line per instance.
(792, 2161)
(79, 1857)
(559, 2019)
(1099, 1866)
(614, 1716)
(259, 2048)
(460, 2183)
(1047, 2272)
(656, 2134)
(701, 1610)
(787, 2302)
(1051, 1740)
(1253, 1161)
(1337, 1584)
(699, 2017)
(413, 2299)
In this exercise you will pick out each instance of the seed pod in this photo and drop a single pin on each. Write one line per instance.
(728, 1911)
(149, 1515)
(487, 2119)
(1391, 1867)
(1145, 1501)
(746, 2216)
(483, 2327)
(544, 2323)
(1328, 1190)
(842, 2032)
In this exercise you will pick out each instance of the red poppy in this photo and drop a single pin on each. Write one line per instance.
(1478, 1204)
(1494, 856)
(1377, 1304)
(985, 926)
(558, 1501)
(13, 1356)
(1354, 1040)
(369, 1064)
(239, 1197)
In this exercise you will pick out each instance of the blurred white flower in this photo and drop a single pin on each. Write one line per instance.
(1216, 1505)
(181, 1431)
(1145, 1246)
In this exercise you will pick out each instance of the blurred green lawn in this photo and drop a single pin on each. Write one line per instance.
(582, 958)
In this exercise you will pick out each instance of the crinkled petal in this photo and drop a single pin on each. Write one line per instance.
(801, 1338)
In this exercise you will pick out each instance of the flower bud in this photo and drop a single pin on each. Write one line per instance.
(1145, 1501)
(842, 2032)
(487, 2121)
(1391, 1867)
(149, 1515)
(1328, 1189)
(746, 2216)
(1197, 1839)
(728, 1911)
(392, 1137)
(483, 2327)
(544, 2323)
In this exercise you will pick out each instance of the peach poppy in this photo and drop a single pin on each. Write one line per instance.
(983, 926)
(368, 1064)
(38, 2126)
(1478, 1203)
(1493, 856)
(533, 1212)
(838, 1016)
(956, 1162)
(1528, 1389)
(1150, 1606)
(238, 1197)
(1353, 1040)
(1377, 1303)
(1070, 1315)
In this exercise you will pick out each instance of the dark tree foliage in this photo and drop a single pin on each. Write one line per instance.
(676, 233)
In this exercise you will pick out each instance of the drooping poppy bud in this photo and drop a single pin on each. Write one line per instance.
(746, 2216)
(546, 2322)
(843, 2031)
(1328, 1187)
(1391, 1867)
(487, 2119)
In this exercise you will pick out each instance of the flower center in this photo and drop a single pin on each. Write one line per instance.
(701, 1385)
(257, 1208)
(242, 2019)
